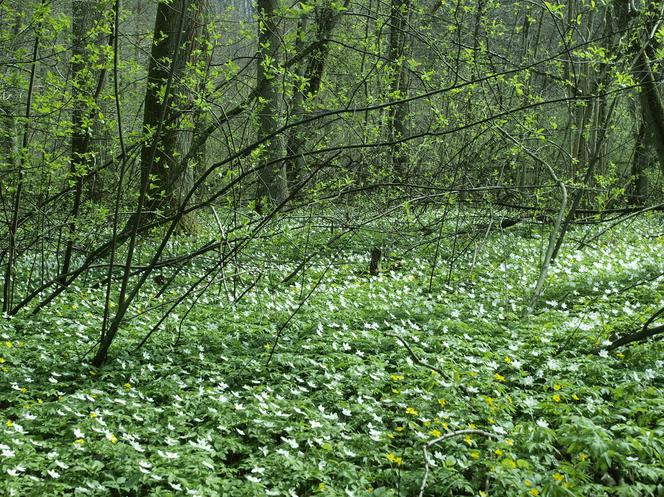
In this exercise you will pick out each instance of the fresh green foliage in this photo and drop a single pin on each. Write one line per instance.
(342, 408)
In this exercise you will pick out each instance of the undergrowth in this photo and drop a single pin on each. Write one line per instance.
(241, 399)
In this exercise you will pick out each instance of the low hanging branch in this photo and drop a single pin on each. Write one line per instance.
(442, 438)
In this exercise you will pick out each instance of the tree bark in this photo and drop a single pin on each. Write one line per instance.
(162, 168)
(80, 117)
(326, 20)
(643, 48)
(397, 114)
(272, 183)
(638, 182)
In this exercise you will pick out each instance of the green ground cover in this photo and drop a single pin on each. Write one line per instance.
(343, 408)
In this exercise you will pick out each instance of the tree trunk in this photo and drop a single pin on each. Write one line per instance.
(162, 169)
(649, 96)
(326, 20)
(396, 115)
(272, 183)
(638, 184)
(80, 116)
(651, 103)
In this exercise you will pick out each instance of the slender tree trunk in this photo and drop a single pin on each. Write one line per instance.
(8, 136)
(294, 140)
(8, 287)
(638, 183)
(79, 139)
(326, 20)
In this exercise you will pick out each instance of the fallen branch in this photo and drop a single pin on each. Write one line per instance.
(637, 336)
(442, 438)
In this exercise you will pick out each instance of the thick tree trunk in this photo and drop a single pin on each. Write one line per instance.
(649, 96)
(651, 103)
(162, 168)
(272, 183)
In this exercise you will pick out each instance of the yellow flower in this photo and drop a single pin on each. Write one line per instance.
(79, 441)
(471, 426)
(534, 491)
(40, 401)
(575, 396)
(475, 455)
(489, 401)
(483, 493)
(396, 377)
(113, 438)
(507, 360)
(468, 439)
(557, 386)
(509, 441)
(499, 377)
(528, 483)
(9, 423)
(24, 390)
(441, 402)
(499, 453)
(412, 411)
(399, 428)
(8, 344)
(435, 433)
(321, 486)
(558, 477)
(127, 386)
(583, 456)
(2, 360)
(555, 397)
(93, 414)
(393, 458)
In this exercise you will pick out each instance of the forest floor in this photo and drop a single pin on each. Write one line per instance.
(364, 374)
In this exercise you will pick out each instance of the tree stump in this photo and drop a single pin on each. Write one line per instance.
(374, 265)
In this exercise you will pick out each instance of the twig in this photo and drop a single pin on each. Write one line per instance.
(442, 439)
